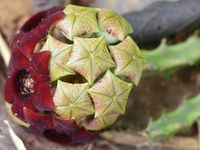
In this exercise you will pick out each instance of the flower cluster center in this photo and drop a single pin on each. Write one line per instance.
(25, 83)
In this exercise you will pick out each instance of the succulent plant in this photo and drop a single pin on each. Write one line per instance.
(167, 59)
(172, 122)
(71, 72)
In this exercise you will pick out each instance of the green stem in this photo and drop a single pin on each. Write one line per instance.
(167, 59)
(170, 123)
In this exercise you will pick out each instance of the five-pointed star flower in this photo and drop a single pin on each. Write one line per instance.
(129, 59)
(72, 100)
(90, 57)
(78, 22)
(110, 95)
(60, 53)
(113, 26)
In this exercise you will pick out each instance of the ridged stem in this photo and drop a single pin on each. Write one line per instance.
(167, 59)
(170, 123)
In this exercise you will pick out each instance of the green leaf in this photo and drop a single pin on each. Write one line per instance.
(79, 21)
(60, 53)
(110, 95)
(113, 26)
(170, 123)
(129, 59)
(90, 57)
(167, 59)
(72, 100)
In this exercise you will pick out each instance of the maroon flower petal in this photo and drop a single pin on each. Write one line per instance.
(58, 137)
(82, 136)
(67, 126)
(41, 62)
(54, 10)
(37, 18)
(18, 61)
(10, 90)
(40, 121)
(18, 106)
(42, 98)
(43, 124)
(35, 29)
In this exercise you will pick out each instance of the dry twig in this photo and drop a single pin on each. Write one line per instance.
(16, 140)
(4, 50)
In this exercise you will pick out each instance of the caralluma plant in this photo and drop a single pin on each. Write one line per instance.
(71, 72)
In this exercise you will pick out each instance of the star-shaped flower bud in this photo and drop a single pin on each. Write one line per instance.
(60, 53)
(129, 59)
(110, 95)
(72, 100)
(90, 57)
(78, 22)
(99, 123)
(113, 26)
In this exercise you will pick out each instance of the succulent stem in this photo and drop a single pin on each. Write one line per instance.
(167, 59)
(170, 123)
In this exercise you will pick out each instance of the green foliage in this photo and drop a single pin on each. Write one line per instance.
(170, 123)
(167, 59)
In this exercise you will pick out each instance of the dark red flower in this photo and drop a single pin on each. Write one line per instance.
(35, 29)
(28, 71)
(56, 129)
(26, 81)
